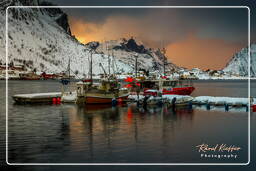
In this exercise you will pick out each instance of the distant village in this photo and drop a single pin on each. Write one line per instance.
(19, 72)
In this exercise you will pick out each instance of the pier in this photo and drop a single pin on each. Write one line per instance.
(37, 97)
(207, 102)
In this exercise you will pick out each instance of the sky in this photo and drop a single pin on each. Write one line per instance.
(202, 38)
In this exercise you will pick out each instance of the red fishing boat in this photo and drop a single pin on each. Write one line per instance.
(178, 87)
(161, 86)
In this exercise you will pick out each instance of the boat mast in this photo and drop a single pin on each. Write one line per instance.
(108, 61)
(164, 51)
(69, 68)
(136, 64)
(103, 70)
(91, 66)
(113, 63)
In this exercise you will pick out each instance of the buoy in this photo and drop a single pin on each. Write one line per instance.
(253, 108)
(54, 99)
(58, 100)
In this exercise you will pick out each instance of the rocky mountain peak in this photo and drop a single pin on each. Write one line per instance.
(238, 64)
(131, 45)
(60, 17)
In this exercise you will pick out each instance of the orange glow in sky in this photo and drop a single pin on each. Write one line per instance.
(204, 53)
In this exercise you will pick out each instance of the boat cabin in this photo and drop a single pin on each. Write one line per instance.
(163, 83)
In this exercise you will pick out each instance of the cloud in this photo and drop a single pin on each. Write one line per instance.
(194, 38)
(114, 28)
(152, 29)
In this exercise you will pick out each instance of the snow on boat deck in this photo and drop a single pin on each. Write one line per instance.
(36, 97)
(39, 95)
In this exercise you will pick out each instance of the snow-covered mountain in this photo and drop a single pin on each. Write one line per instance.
(126, 50)
(238, 64)
(41, 39)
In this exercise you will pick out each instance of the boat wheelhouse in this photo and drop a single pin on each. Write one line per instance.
(105, 92)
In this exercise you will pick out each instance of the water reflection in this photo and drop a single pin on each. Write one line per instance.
(106, 129)
(90, 115)
(101, 133)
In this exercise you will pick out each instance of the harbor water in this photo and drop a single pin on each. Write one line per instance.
(68, 133)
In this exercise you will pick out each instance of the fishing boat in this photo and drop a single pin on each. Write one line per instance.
(165, 86)
(107, 91)
(177, 87)
(161, 86)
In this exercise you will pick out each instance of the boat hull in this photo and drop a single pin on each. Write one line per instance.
(179, 91)
(103, 99)
(171, 91)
